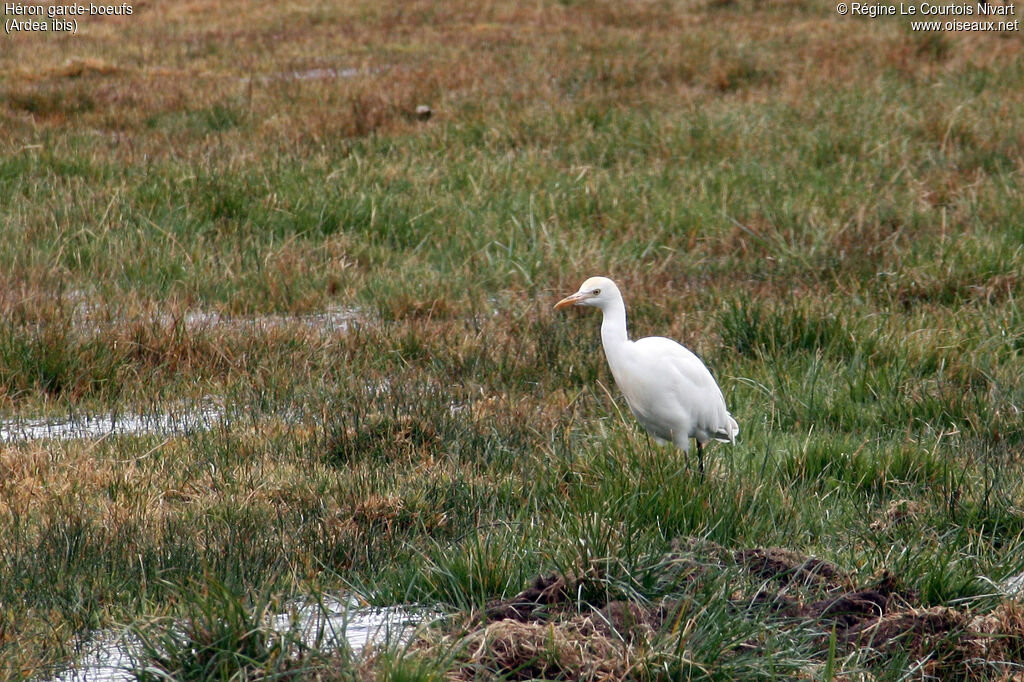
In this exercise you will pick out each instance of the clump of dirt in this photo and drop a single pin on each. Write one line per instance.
(915, 630)
(788, 567)
(772, 601)
(544, 631)
(528, 604)
(850, 608)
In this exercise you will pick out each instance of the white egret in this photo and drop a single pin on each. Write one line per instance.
(668, 388)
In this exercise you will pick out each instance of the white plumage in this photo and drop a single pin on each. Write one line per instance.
(668, 388)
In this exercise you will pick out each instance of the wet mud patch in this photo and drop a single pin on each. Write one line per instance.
(549, 631)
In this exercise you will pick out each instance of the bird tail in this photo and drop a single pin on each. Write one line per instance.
(729, 433)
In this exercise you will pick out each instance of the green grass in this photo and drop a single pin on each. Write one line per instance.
(827, 211)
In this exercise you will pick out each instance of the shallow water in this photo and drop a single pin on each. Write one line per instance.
(176, 421)
(110, 655)
(321, 73)
(333, 320)
(315, 73)
(92, 317)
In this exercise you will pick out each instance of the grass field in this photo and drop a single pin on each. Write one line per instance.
(827, 209)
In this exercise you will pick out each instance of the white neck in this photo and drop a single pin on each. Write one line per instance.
(613, 328)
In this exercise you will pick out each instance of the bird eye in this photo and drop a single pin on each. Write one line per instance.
(597, 292)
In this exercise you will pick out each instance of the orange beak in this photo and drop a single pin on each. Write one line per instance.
(570, 300)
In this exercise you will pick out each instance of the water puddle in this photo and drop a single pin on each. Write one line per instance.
(317, 73)
(174, 422)
(331, 623)
(322, 73)
(329, 321)
(110, 656)
(93, 317)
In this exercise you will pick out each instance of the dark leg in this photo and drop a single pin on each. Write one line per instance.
(700, 458)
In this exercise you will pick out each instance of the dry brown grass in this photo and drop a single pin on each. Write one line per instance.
(305, 74)
(576, 649)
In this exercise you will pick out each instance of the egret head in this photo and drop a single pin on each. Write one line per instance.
(596, 292)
